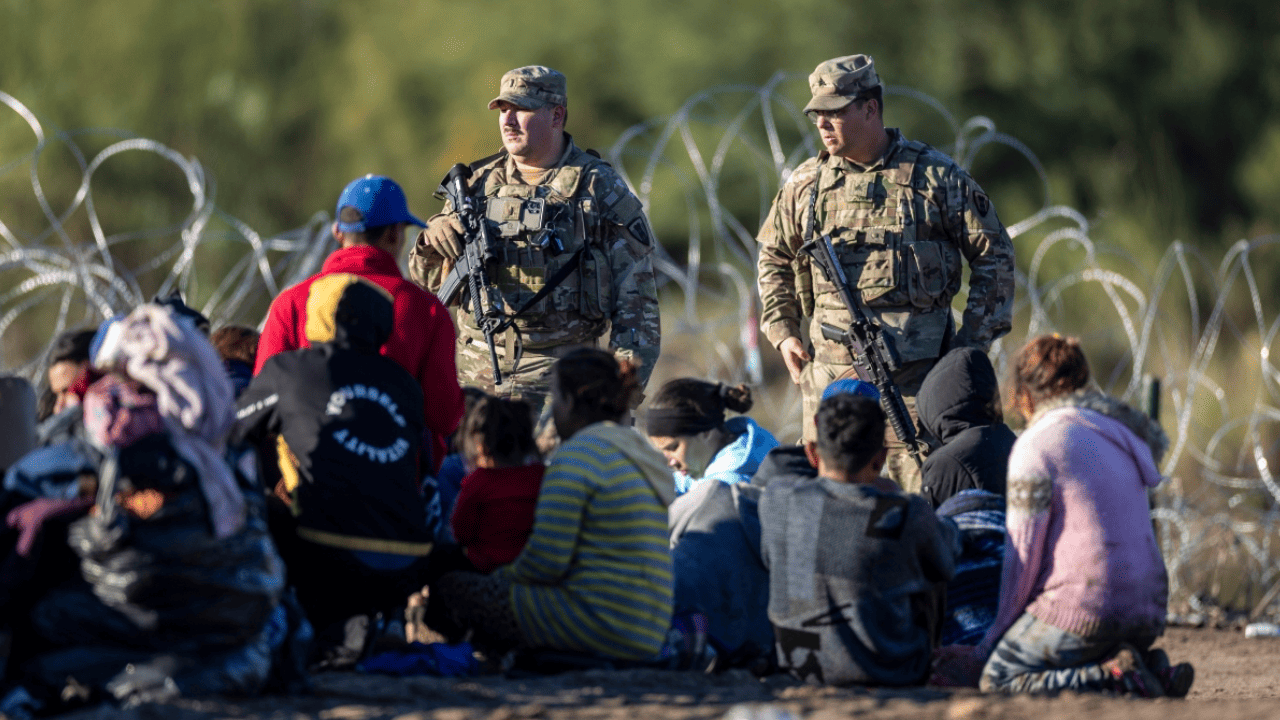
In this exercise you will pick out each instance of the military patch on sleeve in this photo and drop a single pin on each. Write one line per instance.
(981, 202)
(639, 230)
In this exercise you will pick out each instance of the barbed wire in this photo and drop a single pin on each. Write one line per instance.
(710, 171)
(1217, 514)
(86, 278)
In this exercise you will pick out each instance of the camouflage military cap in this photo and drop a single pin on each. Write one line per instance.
(836, 83)
(532, 87)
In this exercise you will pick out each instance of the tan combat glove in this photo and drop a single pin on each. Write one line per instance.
(444, 235)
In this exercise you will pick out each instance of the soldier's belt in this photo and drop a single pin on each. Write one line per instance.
(556, 348)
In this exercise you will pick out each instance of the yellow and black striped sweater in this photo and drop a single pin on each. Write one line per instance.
(596, 573)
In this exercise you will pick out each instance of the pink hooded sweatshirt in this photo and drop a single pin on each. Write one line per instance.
(1081, 554)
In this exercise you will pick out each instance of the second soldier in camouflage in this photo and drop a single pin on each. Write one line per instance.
(902, 217)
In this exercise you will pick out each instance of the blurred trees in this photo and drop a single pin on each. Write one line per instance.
(1157, 119)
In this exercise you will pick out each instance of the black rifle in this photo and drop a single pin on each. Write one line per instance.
(874, 357)
(471, 266)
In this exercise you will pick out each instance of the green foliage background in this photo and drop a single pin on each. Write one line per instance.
(1155, 119)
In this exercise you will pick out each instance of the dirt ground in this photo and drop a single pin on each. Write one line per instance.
(1236, 679)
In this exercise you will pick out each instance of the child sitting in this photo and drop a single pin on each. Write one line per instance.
(454, 467)
(857, 571)
(493, 515)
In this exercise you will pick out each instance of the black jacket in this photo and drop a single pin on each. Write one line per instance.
(957, 403)
(352, 418)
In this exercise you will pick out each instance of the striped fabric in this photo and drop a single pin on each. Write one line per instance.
(596, 573)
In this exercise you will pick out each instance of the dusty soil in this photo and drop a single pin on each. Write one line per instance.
(1236, 678)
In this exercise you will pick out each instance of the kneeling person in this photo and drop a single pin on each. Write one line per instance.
(350, 431)
(857, 570)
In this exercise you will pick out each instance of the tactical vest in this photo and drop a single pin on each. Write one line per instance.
(540, 229)
(891, 240)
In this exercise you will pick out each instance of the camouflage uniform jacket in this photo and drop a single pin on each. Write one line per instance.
(900, 228)
(582, 204)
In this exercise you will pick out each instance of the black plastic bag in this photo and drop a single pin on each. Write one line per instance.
(164, 608)
(177, 582)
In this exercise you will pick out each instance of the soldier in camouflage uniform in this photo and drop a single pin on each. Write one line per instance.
(901, 215)
(549, 203)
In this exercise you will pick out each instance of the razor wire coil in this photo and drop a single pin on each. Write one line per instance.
(1205, 328)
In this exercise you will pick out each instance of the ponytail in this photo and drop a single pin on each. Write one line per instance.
(688, 406)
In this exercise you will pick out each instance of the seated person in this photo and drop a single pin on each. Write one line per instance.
(68, 356)
(176, 585)
(686, 422)
(974, 593)
(959, 403)
(791, 462)
(454, 467)
(493, 515)
(595, 576)
(62, 453)
(715, 552)
(715, 542)
(856, 569)
(1083, 592)
(349, 422)
(237, 345)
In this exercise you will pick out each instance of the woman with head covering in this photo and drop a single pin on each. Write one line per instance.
(687, 423)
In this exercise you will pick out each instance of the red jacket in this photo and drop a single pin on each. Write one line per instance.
(493, 515)
(422, 340)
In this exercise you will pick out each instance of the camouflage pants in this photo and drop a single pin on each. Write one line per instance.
(530, 382)
(900, 467)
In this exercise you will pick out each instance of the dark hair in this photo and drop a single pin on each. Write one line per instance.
(470, 396)
(1049, 366)
(236, 342)
(71, 346)
(369, 235)
(687, 406)
(876, 93)
(850, 431)
(600, 385)
(502, 428)
(45, 403)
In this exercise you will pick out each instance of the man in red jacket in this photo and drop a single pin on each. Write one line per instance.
(372, 215)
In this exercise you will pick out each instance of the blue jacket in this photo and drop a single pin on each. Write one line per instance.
(715, 553)
(737, 461)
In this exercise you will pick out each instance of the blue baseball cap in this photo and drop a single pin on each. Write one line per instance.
(851, 386)
(379, 199)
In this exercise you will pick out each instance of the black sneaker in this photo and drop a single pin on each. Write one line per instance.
(1175, 679)
(1128, 675)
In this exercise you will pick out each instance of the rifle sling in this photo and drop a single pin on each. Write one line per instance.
(813, 208)
(560, 276)
(808, 237)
